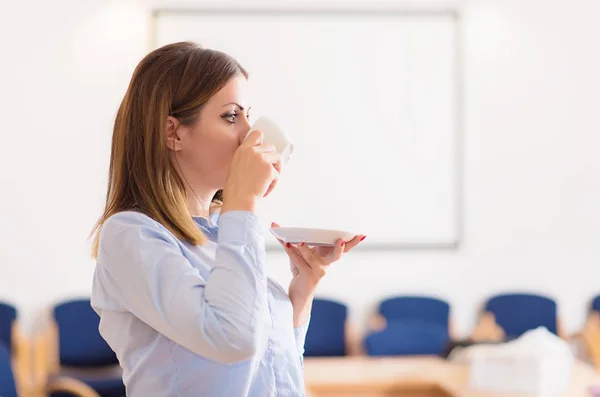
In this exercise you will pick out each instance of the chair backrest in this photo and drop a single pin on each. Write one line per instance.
(595, 306)
(8, 314)
(326, 335)
(80, 342)
(8, 387)
(408, 338)
(420, 308)
(519, 312)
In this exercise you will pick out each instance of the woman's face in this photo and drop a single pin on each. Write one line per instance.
(204, 150)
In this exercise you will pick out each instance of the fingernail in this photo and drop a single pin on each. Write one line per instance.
(288, 245)
(272, 223)
(363, 237)
(302, 244)
(343, 243)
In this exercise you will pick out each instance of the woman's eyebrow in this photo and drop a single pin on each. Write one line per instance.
(236, 104)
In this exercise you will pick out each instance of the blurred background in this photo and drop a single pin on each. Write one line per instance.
(460, 136)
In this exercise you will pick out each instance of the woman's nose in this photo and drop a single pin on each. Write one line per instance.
(244, 130)
(247, 124)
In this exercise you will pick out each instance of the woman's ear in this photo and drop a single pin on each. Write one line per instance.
(172, 134)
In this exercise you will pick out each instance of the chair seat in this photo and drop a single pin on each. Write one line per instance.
(408, 337)
(107, 382)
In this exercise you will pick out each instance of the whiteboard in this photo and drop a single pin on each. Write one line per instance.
(370, 100)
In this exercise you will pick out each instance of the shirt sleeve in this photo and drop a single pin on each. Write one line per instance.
(222, 317)
(300, 334)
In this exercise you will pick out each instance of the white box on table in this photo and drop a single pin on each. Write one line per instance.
(538, 363)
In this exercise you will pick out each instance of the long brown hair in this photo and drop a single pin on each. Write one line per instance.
(174, 80)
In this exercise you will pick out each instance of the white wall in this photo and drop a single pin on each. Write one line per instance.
(531, 186)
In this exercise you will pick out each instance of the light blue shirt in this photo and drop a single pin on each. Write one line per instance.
(191, 321)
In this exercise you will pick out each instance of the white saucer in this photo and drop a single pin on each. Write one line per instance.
(313, 237)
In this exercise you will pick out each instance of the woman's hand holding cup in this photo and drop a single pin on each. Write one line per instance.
(256, 166)
(251, 174)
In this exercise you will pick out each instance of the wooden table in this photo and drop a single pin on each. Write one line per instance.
(360, 376)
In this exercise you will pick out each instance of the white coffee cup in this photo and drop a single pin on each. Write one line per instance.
(274, 135)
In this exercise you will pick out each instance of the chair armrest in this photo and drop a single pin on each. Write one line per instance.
(45, 362)
(487, 329)
(561, 330)
(591, 337)
(70, 385)
(353, 343)
(21, 362)
(377, 322)
(452, 332)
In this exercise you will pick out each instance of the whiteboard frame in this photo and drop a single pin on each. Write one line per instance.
(341, 10)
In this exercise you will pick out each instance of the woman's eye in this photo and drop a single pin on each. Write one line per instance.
(230, 117)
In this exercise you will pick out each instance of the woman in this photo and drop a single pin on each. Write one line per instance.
(181, 290)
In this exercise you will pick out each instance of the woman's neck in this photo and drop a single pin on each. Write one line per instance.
(199, 200)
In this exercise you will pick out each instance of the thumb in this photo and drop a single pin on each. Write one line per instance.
(254, 138)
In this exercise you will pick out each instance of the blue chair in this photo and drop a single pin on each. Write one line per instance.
(8, 384)
(410, 325)
(422, 308)
(8, 316)
(84, 361)
(13, 341)
(79, 341)
(326, 335)
(591, 332)
(595, 304)
(407, 338)
(517, 313)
